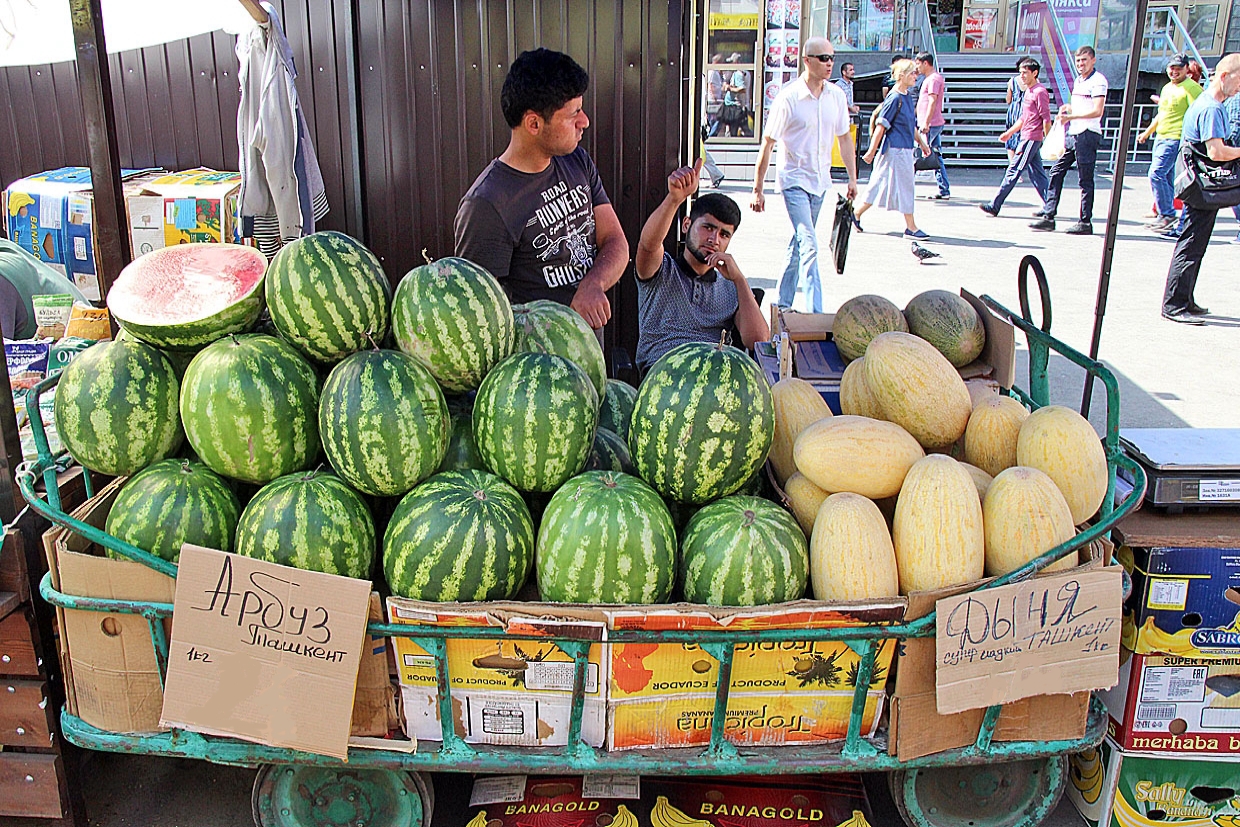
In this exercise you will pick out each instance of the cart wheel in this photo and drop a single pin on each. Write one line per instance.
(304, 796)
(1012, 794)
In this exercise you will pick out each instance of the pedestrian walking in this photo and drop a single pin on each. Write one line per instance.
(1232, 108)
(1015, 103)
(1029, 130)
(1173, 103)
(930, 120)
(1083, 120)
(1207, 129)
(895, 135)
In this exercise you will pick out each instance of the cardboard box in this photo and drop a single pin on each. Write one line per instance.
(663, 695)
(197, 205)
(1176, 704)
(515, 692)
(1109, 786)
(1185, 601)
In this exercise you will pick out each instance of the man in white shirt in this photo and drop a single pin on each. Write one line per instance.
(1083, 120)
(806, 119)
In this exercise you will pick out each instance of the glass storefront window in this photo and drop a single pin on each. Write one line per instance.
(854, 25)
(733, 59)
(1203, 27)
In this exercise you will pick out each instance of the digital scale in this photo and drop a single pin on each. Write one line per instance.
(1186, 467)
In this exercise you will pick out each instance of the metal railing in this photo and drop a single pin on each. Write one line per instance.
(914, 32)
(1166, 35)
(1140, 116)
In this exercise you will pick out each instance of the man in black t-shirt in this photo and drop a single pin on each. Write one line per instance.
(537, 217)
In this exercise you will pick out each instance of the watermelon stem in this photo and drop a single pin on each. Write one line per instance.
(750, 516)
(370, 337)
(426, 256)
(309, 475)
(480, 495)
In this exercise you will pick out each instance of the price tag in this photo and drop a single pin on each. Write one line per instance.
(499, 789)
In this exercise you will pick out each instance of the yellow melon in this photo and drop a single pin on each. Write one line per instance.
(1025, 515)
(856, 454)
(917, 388)
(850, 551)
(990, 437)
(980, 478)
(797, 405)
(1062, 444)
(856, 398)
(805, 499)
(937, 533)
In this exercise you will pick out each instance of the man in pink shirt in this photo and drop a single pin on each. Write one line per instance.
(1034, 121)
(930, 116)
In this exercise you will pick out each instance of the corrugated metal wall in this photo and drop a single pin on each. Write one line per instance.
(402, 98)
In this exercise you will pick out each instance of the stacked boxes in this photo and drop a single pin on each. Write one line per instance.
(198, 205)
(51, 216)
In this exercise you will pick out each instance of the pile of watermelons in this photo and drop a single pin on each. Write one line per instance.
(449, 415)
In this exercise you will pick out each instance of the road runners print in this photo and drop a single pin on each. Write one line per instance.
(563, 231)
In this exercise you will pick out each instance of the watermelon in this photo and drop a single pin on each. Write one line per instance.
(947, 321)
(309, 520)
(610, 453)
(171, 502)
(384, 422)
(250, 407)
(327, 295)
(459, 536)
(616, 410)
(703, 422)
(859, 320)
(606, 537)
(544, 326)
(453, 316)
(534, 420)
(462, 451)
(189, 295)
(743, 551)
(116, 407)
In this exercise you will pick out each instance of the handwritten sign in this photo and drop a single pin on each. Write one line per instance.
(263, 652)
(1046, 636)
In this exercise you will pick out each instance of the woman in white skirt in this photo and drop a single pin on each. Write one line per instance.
(893, 139)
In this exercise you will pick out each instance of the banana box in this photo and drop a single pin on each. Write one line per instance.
(555, 801)
(197, 205)
(663, 695)
(1113, 788)
(1185, 601)
(1176, 704)
(514, 688)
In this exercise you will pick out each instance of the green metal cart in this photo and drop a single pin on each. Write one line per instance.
(989, 782)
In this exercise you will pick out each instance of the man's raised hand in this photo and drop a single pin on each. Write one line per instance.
(684, 182)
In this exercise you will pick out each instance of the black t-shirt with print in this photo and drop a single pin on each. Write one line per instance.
(533, 231)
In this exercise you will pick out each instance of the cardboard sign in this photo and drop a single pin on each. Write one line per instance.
(263, 652)
(1047, 636)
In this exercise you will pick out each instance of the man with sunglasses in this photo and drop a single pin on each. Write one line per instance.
(806, 118)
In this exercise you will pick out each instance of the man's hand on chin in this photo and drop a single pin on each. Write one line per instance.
(591, 304)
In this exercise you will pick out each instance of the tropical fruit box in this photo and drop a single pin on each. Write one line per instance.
(197, 205)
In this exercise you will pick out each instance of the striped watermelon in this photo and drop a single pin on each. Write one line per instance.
(462, 451)
(703, 422)
(859, 320)
(116, 407)
(384, 422)
(743, 551)
(616, 411)
(550, 327)
(459, 536)
(189, 295)
(309, 520)
(453, 316)
(606, 537)
(250, 407)
(947, 321)
(327, 294)
(171, 502)
(610, 453)
(534, 420)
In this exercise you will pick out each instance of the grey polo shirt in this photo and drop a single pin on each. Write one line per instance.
(676, 306)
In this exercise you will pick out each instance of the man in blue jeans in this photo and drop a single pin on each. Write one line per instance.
(806, 118)
(1173, 101)
(930, 118)
(1083, 120)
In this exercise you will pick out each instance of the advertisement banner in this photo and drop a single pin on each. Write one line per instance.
(1040, 34)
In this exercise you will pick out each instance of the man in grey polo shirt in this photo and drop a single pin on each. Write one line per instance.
(698, 294)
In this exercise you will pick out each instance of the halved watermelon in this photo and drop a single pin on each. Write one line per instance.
(187, 296)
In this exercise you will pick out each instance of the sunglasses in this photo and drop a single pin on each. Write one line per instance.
(822, 58)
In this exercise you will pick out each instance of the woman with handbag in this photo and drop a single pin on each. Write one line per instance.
(895, 134)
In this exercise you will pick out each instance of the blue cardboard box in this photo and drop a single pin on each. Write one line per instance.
(1186, 601)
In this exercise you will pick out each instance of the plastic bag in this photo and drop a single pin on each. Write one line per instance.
(1054, 144)
(841, 230)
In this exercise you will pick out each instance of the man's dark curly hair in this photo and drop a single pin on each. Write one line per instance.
(540, 81)
(720, 206)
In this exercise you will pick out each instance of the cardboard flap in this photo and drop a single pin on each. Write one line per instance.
(999, 352)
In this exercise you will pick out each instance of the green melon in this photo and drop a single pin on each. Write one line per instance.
(616, 410)
(459, 536)
(116, 407)
(859, 320)
(384, 422)
(703, 422)
(610, 453)
(462, 453)
(947, 321)
(534, 420)
(743, 551)
(544, 326)
(606, 537)
(172, 502)
(453, 316)
(250, 407)
(309, 520)
(328, 296)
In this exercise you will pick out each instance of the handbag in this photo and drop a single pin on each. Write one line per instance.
(1203, 183)
(927, 162)
(841, 231)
